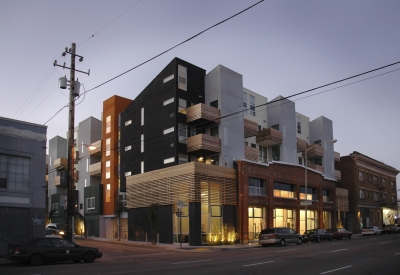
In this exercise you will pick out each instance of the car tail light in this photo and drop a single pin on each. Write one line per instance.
(16, 251)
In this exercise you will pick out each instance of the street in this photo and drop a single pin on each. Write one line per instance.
(360, 255)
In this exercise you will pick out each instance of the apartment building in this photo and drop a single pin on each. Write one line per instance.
(372, 191)
(22, 181)
(223, 129)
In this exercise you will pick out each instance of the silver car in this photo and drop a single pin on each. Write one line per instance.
(280, 235)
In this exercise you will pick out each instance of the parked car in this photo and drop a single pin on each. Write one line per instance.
(59, 228)
(51, 249)
(317, 235)
(50, 232)
(392, 228)
(340, 233)
(280, 236)
(371, 230)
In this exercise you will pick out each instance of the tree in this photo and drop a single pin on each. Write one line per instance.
(152, 214)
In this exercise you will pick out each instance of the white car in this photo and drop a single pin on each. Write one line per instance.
(371, 230)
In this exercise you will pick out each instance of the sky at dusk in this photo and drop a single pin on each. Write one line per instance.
(279, 47)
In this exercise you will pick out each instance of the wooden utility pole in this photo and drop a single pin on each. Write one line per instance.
(70, 141)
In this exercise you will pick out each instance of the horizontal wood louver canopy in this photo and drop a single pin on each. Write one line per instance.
(190, 182)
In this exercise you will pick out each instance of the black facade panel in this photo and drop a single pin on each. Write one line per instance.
(229, 216)
(139, 225)
(157, 118)
(195, 223)
(95, 191)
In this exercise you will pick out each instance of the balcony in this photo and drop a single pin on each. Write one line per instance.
(203, 144)
(95, 169)
(338, 175)
(202, 114)
(336, 156)
(59, 181)
(97, 150)
(315, 151)
(76, 155)
(318, 168)
(269, 137)
(60, 163)
(250, 128)
(250, 153)
(301, 145)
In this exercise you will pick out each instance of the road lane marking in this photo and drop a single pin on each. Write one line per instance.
(339, 250)
(333, 270)
(287, 250)
(384, 242)
(259, 263)
(193, 261)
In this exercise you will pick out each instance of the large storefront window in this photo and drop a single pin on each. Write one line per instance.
(284, 218)
(256, 221)
(181, 225)
(312, 220)
(327, 219)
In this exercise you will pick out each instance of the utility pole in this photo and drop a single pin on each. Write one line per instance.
(70, 142)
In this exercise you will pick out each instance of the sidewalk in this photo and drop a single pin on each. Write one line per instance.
(175, 246)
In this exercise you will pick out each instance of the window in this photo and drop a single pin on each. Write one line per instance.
(300, 161)
(108, 124)
(276, 154)
(327, 195)
(214, 132)
(256, 187)
(108, 146)
(183, 158)
(214, 104)
(215, 160)
(142, 143)
(169, 130)
(182, 133)
(360, 176)
(182, 106)
(14, 172)
(311, 193)
(216, 211)
(182, 78)
(384, 182)
(393, 199)
(244, 103)
(169, 160)
(284, 190)
(252, 105)
(128, 174)
(384, 197)
(392, 184)
(262, 154)
(275, 126)
(168, 78)
(127, 148)
(362, 194)
(55, 207)
(108, 169)
(108, 192)
(375, 179)
(44, 243)
(90, 204)
(375, 196)
(299, 125)
(129, 122)
(168, 101)
(142, 167)
(255, 212)
(142, 117)
(318, 161)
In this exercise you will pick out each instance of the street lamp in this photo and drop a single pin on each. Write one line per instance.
(306, 202)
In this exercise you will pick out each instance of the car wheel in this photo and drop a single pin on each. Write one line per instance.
(282, 242)
(330, 238)
(264, 245)
(376, 233)
(349, 236)
(318, 240)
(299, 242)
(89, 257)
(36, 259)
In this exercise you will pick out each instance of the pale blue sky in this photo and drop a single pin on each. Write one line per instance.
(280, 48)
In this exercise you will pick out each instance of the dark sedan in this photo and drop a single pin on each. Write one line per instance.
(317, 235)
(51, 249)
(340, 233)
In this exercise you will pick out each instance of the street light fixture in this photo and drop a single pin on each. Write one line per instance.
(306, 202)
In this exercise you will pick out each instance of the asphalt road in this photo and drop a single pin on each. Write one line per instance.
(362, 255)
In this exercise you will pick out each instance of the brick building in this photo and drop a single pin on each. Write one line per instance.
(372, 191)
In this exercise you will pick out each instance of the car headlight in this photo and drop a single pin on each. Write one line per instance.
(61, 233)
